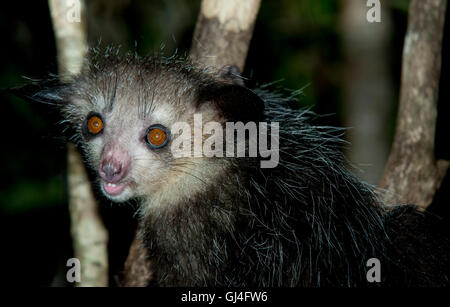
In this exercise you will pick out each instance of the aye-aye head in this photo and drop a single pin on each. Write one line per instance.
(123, 111)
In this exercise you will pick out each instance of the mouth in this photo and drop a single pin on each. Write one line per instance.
(113, 189)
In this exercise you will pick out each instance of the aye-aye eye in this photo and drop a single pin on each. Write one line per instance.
(156, 136)
(93, 124)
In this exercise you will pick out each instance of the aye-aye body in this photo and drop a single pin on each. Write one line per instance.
(223, 219)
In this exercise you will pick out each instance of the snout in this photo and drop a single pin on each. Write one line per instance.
(112, 171)
(114, 164)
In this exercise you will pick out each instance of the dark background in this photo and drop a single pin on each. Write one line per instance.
(297, 43)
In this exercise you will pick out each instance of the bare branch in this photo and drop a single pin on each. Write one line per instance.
(90, 236)
(137, 270)
(88, 232)
(412, 174)
(223, 32)
(70, 37)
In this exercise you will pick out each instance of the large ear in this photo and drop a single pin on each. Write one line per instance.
(50, 92)
(236, 102)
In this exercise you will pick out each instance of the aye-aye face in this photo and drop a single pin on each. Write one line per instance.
(124, 112)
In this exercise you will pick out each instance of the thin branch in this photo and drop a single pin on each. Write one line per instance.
(223, 32)
(137, 270)
(412, 174)
(89, 235)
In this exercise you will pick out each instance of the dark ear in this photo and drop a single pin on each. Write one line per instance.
(236, 102)
(48, 92)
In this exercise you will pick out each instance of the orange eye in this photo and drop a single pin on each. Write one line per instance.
(156, 136)
(95, 124)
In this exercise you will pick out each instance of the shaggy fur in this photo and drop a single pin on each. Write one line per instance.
(227, 221)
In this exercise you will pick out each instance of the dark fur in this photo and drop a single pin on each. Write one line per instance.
(307, 222)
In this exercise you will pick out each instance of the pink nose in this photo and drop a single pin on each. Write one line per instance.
(114, 165)
(111, 171)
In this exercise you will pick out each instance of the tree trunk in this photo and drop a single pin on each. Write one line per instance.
(412, 174)
(89, 235)
(223, 32)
